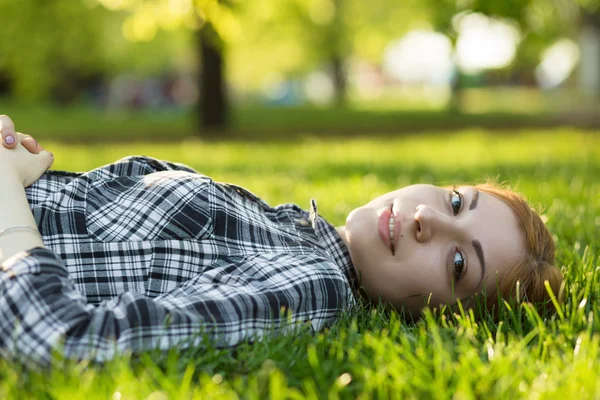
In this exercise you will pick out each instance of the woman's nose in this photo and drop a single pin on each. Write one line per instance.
(428, 222)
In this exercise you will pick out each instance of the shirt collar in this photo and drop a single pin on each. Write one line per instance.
(332, 240)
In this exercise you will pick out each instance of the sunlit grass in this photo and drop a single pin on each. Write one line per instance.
(371, 354)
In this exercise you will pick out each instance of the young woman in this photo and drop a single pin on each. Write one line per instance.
(144, 253)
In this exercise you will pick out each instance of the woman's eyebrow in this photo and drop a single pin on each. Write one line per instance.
(476, 244)
(479, 251)
(475, 199)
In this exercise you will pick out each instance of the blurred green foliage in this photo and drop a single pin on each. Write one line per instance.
(540, 22)
(49, 46)
(45, 41)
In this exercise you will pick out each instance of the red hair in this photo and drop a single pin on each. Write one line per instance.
(525, 281)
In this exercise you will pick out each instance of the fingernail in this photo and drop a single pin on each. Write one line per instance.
(9, 140)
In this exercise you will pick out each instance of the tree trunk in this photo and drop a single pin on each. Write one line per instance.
(213, 103)
(5, 84)
(456, 93)
(589, 66)
(339, 79)
(337, 37)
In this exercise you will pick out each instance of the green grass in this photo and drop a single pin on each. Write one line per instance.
(370, 354)
(86, 124)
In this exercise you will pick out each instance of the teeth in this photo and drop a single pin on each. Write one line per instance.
(391, 227)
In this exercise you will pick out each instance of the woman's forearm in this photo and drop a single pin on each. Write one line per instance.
(15, 211)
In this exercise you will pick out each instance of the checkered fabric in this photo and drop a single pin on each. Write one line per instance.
(146, 254)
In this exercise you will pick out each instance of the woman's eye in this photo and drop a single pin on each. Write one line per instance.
(459, 265)
(456, 200)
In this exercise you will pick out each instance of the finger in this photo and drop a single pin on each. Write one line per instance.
(45, 158)
(31, 145)
(7, 128)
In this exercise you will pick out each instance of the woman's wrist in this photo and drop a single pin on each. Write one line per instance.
(9, 176)
(15, 212)
(20, 228)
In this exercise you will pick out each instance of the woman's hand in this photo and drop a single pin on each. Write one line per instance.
(22, 158)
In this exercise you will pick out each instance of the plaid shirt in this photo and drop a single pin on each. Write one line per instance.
(145, 254)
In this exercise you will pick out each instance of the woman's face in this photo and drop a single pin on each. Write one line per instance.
(425, 244)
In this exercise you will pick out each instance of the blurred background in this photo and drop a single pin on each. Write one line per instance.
(268, 69)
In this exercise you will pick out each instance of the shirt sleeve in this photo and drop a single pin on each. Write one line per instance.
(49, 183)
(42, 312)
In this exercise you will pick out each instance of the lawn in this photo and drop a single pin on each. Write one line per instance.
(85, 123)
(369, 354)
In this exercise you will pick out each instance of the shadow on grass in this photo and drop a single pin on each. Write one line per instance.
(86, 124)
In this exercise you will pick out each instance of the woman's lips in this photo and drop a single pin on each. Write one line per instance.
(384, 228)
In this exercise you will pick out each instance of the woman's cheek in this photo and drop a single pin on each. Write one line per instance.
(359, 224)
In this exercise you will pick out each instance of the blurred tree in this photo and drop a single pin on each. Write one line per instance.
(273, 40)
(57, 50)
(286, 39)
(353, 30)
(213, 103)
(589, 43)
(541, 22)
(49, 48)
(213, 21)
